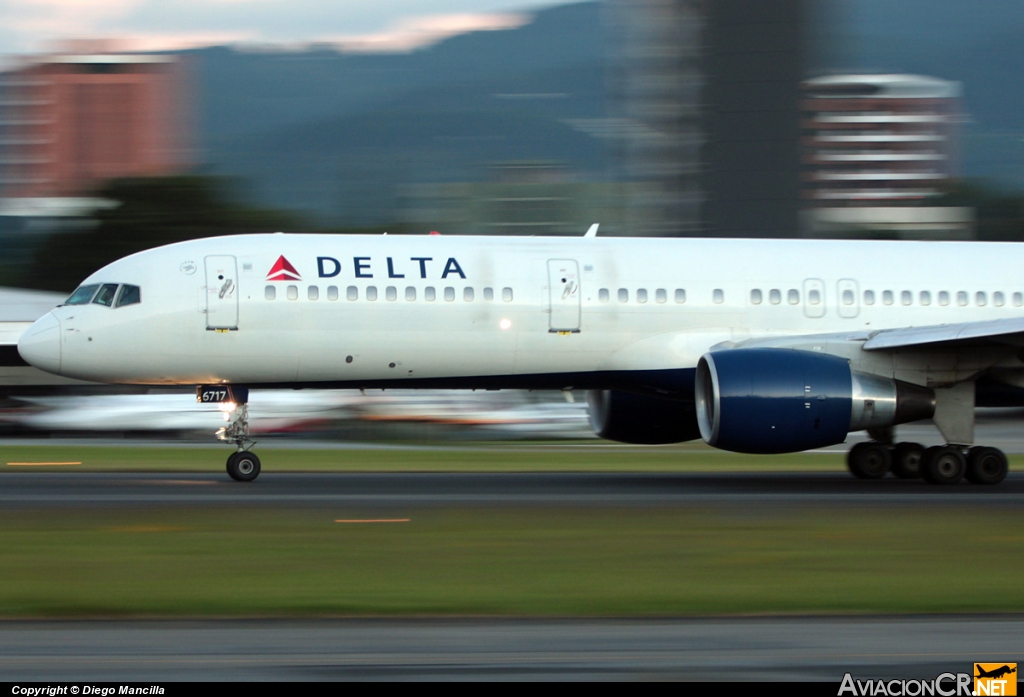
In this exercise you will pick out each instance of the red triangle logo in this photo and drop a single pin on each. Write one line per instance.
(282, 270)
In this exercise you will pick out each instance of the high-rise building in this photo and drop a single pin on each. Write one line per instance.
(877, 150)
(73, 120)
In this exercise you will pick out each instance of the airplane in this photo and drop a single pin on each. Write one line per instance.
(995, 673)
(753, 345)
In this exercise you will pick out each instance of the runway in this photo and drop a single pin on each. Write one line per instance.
(821, 649)
(481, 489)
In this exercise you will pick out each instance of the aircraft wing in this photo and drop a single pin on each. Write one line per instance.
(997, 331)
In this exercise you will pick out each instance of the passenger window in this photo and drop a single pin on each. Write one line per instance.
(506, 294)
(661, 295)
(641, 295)
(793, 297)
(371, 292)
(332, 292)
(270, 292)
(980, 299)
(83, 295)
(998, 299)
(847, 297)
(391, 293)
(680, 295)
(468, 294)
(774, 297)
(961, 298)
(129, 295)
(352, 293)
(106, 295)
(925, 297)
(488, 294)
(814, 297)
(869, 297)
(718, 296)
(449, 294)
(943, 297)
(313, 293)
(410, 293)
(623, 295)
(887, 297)
(906, 297)
(293, 292)
(603, 295)
(429, 294)
(1018, 299)
(755, 296)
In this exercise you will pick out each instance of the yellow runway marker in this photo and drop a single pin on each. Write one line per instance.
(376, 520)
(42, 464)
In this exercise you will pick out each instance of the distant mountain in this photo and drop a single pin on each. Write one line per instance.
(335, 133)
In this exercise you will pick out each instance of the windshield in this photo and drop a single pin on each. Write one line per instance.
(106, 294)
(83, 295)
(130, 295)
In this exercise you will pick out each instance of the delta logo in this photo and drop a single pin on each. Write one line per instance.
(995, 679)
(282, 270)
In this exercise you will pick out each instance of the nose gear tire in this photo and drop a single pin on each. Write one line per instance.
(243, 466)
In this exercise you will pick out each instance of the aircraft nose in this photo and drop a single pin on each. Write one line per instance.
(40, 344)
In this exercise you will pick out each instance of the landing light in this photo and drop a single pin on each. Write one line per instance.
(505, 324)
(227, 408)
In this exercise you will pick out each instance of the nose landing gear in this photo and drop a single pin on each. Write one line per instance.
(242, 465)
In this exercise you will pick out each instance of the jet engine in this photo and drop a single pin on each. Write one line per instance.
(766, 400)
(634, 418)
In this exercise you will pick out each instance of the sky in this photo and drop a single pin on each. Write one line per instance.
(32, 26)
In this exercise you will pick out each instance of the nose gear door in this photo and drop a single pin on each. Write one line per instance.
(564, 290)
(221, 293)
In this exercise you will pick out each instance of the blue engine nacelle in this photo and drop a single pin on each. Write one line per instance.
(635, 418)
(766, 400)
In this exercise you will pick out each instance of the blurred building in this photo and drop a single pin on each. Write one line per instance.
(655, 84)
(709, 95)
(72, 120)
(877, 149)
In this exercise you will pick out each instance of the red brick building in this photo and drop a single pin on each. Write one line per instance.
(73, 120)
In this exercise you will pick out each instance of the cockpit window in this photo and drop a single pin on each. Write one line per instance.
(83, 295)
(105, 296)
(129, 295)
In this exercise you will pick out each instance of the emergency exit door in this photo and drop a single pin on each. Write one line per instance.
(221, 293)
(564, 291)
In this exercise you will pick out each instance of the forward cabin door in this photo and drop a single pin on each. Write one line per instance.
(564, 295)
(221, 293)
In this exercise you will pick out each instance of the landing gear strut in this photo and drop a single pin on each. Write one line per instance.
(242, 465)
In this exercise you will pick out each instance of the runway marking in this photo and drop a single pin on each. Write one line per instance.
(42, 464)
(375, 520)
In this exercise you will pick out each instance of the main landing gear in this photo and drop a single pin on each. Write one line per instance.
(242, 465)
(942, 464)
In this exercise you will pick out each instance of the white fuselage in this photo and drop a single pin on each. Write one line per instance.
(559, 312)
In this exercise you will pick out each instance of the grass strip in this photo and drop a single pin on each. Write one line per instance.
(195, 562)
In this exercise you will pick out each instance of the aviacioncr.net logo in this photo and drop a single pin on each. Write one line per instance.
(945, 685)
